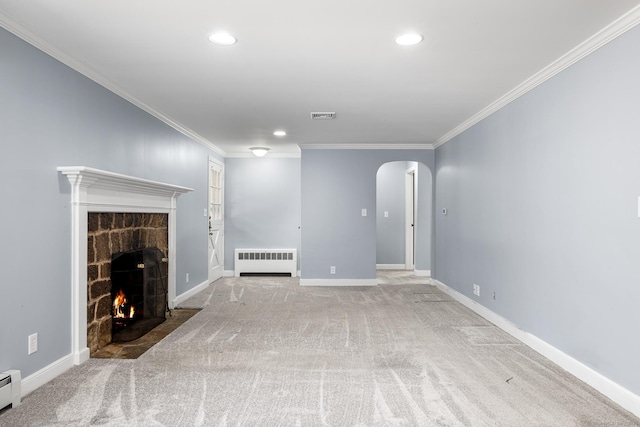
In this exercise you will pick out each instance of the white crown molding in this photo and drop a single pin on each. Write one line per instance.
(366, 146)
(593, 43)
(269, 154)
(25, 34)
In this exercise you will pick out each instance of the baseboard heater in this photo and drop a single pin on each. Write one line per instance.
(9, 388)
(265, 261)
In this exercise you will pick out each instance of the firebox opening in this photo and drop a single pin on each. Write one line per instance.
(138, 293)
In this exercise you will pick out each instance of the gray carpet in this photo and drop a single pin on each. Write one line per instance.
(267, 352)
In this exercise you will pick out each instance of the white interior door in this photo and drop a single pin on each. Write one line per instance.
(216, 220)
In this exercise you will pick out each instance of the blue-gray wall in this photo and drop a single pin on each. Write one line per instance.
(52, 116)
(542, 202)
(262, 204)
(336, 186)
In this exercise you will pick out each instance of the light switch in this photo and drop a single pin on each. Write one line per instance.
(364, 212)
(386, 214)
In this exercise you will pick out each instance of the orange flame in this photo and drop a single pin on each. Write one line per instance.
(118, 306)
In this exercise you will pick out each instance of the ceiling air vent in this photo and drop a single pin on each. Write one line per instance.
(323, 116)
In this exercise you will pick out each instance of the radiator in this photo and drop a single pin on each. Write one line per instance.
(266, 261)
(9, 389)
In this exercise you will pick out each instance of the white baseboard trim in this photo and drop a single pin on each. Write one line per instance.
(390, 266)
(423, 273)
(611, 389)
(191, 292)
(338, 282)
(46, 374)
(81, 356)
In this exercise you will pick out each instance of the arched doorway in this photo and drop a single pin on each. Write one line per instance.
(403, 217)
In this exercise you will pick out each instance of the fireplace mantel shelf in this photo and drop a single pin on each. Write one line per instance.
(95, 190)
(105, 179)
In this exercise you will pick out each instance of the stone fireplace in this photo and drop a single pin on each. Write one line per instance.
(113, 240)
(95, 190)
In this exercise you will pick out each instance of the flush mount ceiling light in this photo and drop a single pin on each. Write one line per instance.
(280, 133)
(222, 39)
(259, 151)
(409, 39)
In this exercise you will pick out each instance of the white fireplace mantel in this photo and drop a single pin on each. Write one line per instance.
(95, 190)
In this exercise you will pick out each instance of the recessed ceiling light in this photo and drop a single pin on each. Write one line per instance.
(223, 39)
(409, 39)
(280, 133)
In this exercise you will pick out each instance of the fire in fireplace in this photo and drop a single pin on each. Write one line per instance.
(138, 292)
(121, 307)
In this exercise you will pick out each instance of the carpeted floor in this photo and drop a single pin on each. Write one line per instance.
(267, 352)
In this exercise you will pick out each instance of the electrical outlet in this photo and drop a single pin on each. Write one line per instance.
(476, 290)
(333, 269)
(187, 278)
(33, 343)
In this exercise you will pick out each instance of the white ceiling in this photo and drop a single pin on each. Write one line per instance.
(298, 56)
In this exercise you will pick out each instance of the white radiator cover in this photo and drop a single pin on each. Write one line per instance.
(265, 261)
(10, 382)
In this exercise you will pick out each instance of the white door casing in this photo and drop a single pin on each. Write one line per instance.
(410, 218)
(216, 220)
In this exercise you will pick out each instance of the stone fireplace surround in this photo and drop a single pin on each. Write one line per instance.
(111, 233)
(95, 190)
